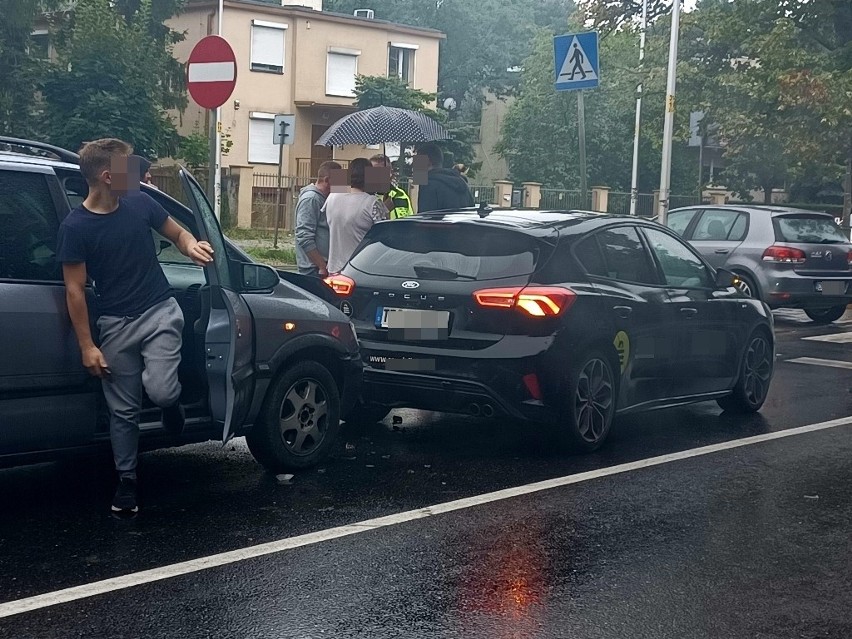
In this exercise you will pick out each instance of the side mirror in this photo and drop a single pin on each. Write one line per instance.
(725, 279)
(258, 278)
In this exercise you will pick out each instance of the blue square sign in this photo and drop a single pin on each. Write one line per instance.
(577, 61)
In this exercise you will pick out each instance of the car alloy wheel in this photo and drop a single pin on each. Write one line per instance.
(303, 418)
(745, 286)
(757, 370)
(594, 400)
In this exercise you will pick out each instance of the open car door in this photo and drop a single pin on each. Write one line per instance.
(229, 338)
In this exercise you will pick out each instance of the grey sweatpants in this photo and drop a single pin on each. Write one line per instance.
(141, 351)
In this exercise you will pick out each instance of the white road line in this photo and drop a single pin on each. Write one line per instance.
(816, 361)
(835, 338)
(114, 584)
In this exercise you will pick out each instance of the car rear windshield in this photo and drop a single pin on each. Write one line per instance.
(807, 229)
(446, 252)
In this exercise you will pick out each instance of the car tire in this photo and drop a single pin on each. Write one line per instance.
(299, 421)
(825, 315)
(753, 377)
(366, 414)
(592, 392)
(746, 286)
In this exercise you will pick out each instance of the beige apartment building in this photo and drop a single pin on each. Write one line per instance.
(300, 60)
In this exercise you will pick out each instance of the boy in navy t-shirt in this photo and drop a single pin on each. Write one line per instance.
(108, 238)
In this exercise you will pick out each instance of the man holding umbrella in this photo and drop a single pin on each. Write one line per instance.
(396, 199)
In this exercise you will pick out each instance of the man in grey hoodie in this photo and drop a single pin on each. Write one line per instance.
(311, 226)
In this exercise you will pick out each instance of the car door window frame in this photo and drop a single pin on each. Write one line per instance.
(649, 256)
(60, 210)
(709, 271)
(697, 221)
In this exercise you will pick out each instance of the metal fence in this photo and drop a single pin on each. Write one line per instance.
(619, 204)
(564, 199)
(482, 193)
(265, 195)
(307, 168)
(676, 201)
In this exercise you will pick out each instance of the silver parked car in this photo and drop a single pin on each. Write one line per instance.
(786, 257)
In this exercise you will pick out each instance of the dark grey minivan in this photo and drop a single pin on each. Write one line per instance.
(784, 256)
(261, 356)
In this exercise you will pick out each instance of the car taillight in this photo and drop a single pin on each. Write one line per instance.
(536, 301)
(784, 255)
(849, 259)
(341, 284)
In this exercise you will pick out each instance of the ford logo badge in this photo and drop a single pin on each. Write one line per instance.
(410, 284)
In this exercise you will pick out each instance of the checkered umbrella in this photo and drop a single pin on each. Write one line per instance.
(383, 124)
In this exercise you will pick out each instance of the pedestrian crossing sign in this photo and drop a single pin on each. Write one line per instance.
(577, 61)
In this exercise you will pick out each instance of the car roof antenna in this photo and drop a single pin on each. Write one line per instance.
(484, 209)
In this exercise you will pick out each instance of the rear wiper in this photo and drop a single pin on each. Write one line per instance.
(426, 271)
(830, 241)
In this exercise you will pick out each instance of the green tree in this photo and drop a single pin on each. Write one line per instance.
(110, 80)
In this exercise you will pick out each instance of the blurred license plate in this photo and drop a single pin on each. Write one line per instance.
(413, 324)
(831, 288)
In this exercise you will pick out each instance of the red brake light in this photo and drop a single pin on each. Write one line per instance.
(535, 301)
(784, 255)
(341, 284)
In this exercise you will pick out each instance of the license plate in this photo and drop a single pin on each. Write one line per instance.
(831, 288)
(413, 324)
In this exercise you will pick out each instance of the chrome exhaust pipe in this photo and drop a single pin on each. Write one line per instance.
(488, 410)
(474, 408)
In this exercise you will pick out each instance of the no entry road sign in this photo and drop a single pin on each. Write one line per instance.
(211, 72)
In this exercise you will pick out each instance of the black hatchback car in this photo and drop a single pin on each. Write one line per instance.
(561, 317)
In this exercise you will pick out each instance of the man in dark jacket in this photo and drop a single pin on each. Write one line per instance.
(443, 188)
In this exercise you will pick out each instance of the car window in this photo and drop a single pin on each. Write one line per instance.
(716, 225)
(214, 235)
(28, 228)
(738, 230)
(168, 253)
(681, 267)
(807, 229)
(678, 221)
(620, 256)
(446, 252)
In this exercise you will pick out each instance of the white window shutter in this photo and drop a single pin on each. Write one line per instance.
(267, 48)
(261, 148)
(340, 78)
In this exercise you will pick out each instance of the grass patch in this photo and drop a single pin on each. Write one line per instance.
(275, 257)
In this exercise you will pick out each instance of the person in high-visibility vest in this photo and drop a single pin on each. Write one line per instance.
(396, 199)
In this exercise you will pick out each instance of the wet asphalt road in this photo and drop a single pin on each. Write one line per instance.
(751, 542)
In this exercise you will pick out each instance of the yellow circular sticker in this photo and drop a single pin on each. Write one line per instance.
(622, 345)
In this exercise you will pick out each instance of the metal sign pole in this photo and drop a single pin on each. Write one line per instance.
(278, 194)
(581, 124)
(634, 179)
(668, 128)
(217, 149)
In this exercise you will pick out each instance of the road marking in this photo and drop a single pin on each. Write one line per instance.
(816, 361)
(836, 338)
(114, 584)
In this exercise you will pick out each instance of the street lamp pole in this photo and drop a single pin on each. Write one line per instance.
(668, 128)
(634, 181)
(217, 149)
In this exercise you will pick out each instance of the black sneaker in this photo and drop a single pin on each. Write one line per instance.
(173, 419)
(125, 497)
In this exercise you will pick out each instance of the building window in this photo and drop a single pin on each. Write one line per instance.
(401, 61)
(341, 72)
(261, 150)
(39, 47)
(267, 46)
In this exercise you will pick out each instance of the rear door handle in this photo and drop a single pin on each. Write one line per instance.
(689, 312)
(623, 311)
(722, 251)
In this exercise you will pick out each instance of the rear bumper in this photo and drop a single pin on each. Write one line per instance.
(800, 291)
(449, 395)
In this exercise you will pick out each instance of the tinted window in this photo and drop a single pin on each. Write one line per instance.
(717, 225)
(624, 256)
(28, 227)
(679, 220)
(681, 267)
(214, 234)
(446, 252)
(589, 254)
(811, 229)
